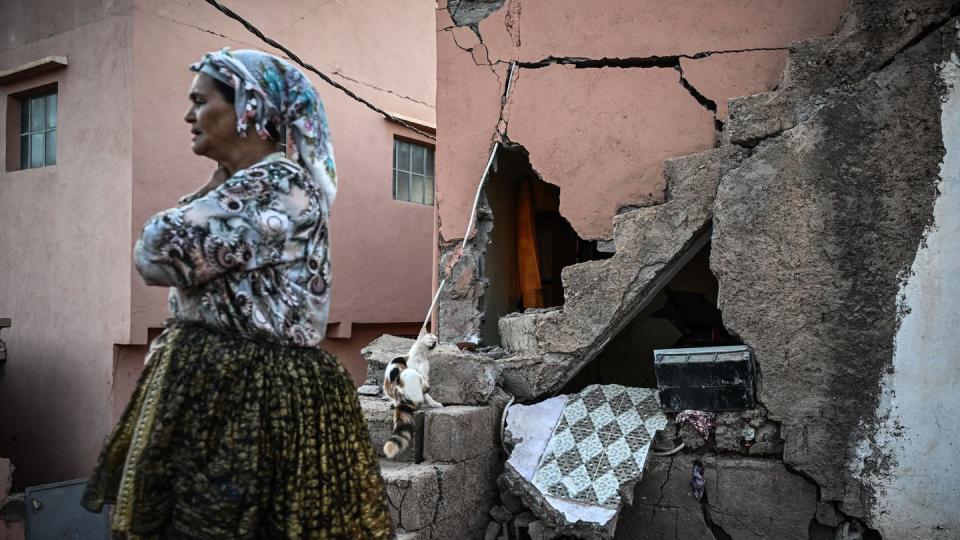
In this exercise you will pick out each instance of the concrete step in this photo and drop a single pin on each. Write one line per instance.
(456, 377)
(441, 500)
(447, 434)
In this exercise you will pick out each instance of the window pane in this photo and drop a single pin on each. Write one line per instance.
(52, 111)
(24, 151)
(51, 157)
(429, 168)
(24, 116)
(402, 186)
(36, 114)
(417, 158)
(403, 156)
(428, 191)
(416, 188)
(36, 150)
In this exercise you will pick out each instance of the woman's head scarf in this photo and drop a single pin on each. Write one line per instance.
(271, 90)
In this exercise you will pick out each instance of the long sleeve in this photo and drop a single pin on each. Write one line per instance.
(263, 215)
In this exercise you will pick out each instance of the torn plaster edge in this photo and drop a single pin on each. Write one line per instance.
(538, 422)
(894, 452)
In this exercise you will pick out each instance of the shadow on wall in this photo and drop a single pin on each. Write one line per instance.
(530, 244)
(683, 314)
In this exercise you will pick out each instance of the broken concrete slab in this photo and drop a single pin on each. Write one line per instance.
(456, 377)
(606, 428)
(554, 109)
(516, 329)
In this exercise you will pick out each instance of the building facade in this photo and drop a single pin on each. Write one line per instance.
(102, 85)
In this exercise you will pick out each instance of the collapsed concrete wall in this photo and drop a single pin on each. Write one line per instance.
(826, 192)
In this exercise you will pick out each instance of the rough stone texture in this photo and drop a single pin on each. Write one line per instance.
(634, 120)
(441, 501)
(379, 417)
(813, 232)
(871, 35)
(602, 296)
(6, 478)
(458, 433)
(752, 498)
(516, 330)
(720, 77)
(460, 314)
(413, 492)
(456, 377)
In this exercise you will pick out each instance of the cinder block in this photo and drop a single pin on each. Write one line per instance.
(379, 418)
(457, 433)
(413, 491)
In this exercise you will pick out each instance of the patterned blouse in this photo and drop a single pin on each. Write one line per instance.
(250, 257)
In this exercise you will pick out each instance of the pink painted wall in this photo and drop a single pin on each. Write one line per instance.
(64, 239)
(602, 133)
(81, 315)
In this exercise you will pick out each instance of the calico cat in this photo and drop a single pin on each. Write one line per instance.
(406, 382)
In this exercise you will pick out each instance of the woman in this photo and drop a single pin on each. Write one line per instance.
(241, 426)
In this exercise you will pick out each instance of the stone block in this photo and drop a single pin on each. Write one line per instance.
(752, 498)
(456, 377)
(413, 491)
(517, 330)
(6, 478)
(458, 433)
(379, 417)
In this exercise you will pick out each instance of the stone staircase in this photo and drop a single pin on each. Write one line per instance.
(602, 297)
(444, 483)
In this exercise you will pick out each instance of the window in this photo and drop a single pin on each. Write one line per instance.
(412, 172)
(38, 130)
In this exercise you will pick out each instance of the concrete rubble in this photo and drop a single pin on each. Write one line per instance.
(814, 201)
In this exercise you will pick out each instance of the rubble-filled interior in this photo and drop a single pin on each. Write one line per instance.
(683, 314)
(529, 245)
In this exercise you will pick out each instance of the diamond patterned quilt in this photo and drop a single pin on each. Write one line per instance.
(600, 442)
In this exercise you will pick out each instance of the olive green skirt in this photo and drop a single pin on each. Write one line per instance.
(226, 437)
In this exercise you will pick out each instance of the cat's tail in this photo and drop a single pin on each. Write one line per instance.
(403, 428)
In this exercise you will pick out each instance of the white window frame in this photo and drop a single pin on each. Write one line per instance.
(413, 181)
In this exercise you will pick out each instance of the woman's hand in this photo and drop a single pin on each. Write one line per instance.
(219, 176)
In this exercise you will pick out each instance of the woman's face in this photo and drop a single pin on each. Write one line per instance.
(212, 119)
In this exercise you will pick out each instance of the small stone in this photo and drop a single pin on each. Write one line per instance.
(369, 390)
(728, 439)
(501, 514)
(522, 523)
(511, 502)
(691, 438)
(493, 529)
(538, 530)
(748, 433)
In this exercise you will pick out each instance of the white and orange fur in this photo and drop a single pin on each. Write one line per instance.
(406, 382)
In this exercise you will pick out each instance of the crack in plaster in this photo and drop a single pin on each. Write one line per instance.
(340, 74)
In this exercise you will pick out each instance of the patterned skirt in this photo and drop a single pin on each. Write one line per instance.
(225, 437)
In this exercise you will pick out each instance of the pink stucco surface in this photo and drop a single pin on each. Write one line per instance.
(81, 315)
(644, 28)
(64, 243)
(601, 133)
(720, 77)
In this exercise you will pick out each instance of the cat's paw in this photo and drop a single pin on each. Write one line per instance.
(428, 340)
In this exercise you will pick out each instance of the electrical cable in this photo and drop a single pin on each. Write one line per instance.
(326, 78)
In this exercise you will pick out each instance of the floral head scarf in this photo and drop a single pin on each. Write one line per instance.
(269, 89)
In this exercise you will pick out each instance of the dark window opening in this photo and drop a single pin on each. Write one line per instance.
(683, 314)
(530, 244)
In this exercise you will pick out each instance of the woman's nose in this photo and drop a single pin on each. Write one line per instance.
(189, 117)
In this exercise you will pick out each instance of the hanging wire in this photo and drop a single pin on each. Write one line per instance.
(326, 78)
(473, 212)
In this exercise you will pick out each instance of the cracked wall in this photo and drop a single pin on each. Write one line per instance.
(599, 112)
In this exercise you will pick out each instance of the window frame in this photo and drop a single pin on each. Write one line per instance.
(429, 157)
(15, 102)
